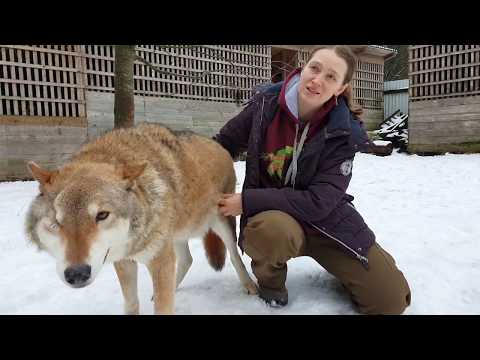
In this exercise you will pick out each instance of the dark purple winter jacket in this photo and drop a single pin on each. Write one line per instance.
(319, 201)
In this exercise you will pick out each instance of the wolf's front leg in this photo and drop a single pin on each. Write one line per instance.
(127, 275)
(162, 269)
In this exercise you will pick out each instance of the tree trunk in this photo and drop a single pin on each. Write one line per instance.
(124, 107)
(397, 67)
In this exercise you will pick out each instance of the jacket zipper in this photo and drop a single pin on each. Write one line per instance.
(360, 257)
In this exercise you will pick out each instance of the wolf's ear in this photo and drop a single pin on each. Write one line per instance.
(132, 172)
(44, 177)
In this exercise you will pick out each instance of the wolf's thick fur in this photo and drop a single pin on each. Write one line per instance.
(137, 195)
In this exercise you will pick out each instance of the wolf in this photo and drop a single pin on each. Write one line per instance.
(136, 195)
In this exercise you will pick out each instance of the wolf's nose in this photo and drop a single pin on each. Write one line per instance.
(78, 275)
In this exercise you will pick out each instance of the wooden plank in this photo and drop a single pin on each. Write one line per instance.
(16, 110)
(442, 71)
(30, 147)
(448, 96)
(436, 64)
(45, 111)
(417, 65)
(71, 91)
(40, 82)
(99, 65)
(96, 50)
(66, 94)
(33, 138)
(417, 120)
(454, 70)
(110, 68)
(43, 121)
(432, 73)
(82, 80)
(443, 67)
(79, 78)
(452, 110)
(422, 76)
(477, 70)
(456, 79)
(416, 47)
(29, 88)
(51, 89)
(38, 66)
(89, 62)
(446, 102)
(446, 128)
(471, 73)
(67, 134)
(461, 70)
(63, 91)
(411, 67)
(36, 81)
(37, 48)
(455, 51)
(3, 54)
(52, 100)
(427, 138)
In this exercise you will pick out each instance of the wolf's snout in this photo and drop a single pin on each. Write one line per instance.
(78, 275)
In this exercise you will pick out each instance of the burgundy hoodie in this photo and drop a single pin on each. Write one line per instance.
(278, 145)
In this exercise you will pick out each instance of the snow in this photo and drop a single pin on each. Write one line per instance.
(381, 142)
(424, 210)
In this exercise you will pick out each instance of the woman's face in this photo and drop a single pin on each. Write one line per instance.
(321, 78)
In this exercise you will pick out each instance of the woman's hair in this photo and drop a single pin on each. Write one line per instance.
(350, 58)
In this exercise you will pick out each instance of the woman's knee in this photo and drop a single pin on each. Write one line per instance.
(274, 234)
(391, 299)
(386, 291)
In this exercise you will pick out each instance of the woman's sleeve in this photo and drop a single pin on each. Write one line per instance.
(234, 135)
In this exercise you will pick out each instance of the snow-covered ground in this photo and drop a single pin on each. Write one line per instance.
(424, 210)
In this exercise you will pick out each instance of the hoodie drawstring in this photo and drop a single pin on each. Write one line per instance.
(297, 149)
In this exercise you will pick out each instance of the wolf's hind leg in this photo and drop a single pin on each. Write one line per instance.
(184, 260)
(225, 232)
(127, 276)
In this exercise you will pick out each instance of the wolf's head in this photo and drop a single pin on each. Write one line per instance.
(83, 216)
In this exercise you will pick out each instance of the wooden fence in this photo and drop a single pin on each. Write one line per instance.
(41, 80)
(444, 71)
(444, 98)
(221, 73)
(51, 80)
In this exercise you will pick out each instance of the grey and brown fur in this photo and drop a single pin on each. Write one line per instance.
(159, 189)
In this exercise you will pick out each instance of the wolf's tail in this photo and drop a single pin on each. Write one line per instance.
(214, 249)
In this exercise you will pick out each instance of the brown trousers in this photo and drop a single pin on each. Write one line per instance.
(273, 237)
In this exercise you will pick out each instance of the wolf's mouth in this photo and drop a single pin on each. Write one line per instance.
(79, 286)
(105, 258)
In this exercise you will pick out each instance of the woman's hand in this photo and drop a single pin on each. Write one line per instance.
(230, 204)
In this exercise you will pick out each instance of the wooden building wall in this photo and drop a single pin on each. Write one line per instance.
(54, 98)
(444, 98)
(42, 109)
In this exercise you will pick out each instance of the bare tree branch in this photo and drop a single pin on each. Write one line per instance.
(157, 69)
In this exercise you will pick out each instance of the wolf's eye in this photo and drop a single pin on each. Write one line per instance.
(102, 215)
(54, 226)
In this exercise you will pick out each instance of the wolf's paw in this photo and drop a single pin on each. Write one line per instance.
(132, 309)
(251, 288)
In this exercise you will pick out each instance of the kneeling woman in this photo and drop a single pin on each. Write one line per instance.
(301, 137)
